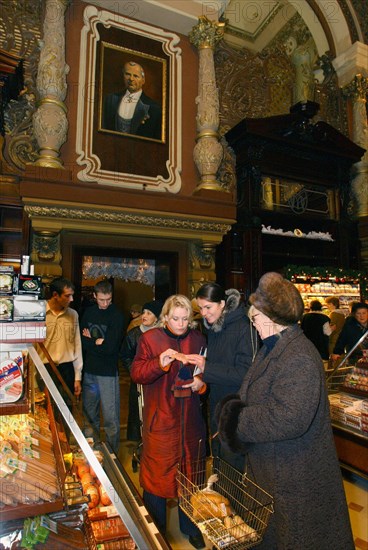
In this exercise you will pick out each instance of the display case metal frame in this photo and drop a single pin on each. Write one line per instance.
(112, 476)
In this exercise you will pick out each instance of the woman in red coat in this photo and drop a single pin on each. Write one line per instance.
(173, 428)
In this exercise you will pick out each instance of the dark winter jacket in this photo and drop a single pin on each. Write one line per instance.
(129, 347)
(173, 427)
(351, 332)
(229, 351)
(282, 420)
(107, 323)
(312, 325)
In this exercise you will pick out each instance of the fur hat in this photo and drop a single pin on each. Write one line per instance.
(278, 298)
(154, 307)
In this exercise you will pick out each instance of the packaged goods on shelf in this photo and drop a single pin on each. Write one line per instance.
(349, 410)
(6, 282)
(6, 309)
(29, 475)
(320, 290)
(28, 284)
(25, 309)
(353, 418)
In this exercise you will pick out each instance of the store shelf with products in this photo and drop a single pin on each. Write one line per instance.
(347, 384)
(105, 509)
(316, 289)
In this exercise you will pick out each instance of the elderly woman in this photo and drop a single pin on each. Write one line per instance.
(173, 426)
(280, 418)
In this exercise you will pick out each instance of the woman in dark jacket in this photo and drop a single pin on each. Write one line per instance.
(173, 427)
(281, 419)
(149, 319)
(229, 353)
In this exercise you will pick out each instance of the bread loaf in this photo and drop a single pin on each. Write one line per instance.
(209, 504)
(239, 529)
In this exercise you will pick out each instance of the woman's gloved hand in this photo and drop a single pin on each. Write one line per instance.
(221, 403)
(228, 424)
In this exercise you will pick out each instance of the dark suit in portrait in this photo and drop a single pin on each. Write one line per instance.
(146, 120)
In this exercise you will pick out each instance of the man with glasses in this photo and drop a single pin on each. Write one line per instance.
(102, 330)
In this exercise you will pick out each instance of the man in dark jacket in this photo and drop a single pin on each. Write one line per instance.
(102, 329)
(132, 111)
(316, 326)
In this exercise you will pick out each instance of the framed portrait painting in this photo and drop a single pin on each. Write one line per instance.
(132, 97)
(129, 104)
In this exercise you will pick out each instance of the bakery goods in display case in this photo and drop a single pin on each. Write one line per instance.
(348, 396)
(56, 489)
(318, 289)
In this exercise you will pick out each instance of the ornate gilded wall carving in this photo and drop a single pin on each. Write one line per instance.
(201, 266)
(20, 31)
(262, 85)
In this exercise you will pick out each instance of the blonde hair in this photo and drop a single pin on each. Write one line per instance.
(176, 300)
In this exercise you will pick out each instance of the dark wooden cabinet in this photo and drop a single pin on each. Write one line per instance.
(14, 234)
(293, 192)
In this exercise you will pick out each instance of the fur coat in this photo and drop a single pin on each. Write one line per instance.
(281, 419)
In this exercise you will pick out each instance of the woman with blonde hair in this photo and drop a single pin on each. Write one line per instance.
(173, 427)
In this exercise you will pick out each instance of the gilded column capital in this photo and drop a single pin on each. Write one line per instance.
(357, 88)
(207, 34)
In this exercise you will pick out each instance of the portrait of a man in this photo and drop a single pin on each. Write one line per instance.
(130, 110)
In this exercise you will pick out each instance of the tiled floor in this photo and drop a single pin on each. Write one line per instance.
(356, 489)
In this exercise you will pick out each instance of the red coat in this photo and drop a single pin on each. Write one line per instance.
(173, 427)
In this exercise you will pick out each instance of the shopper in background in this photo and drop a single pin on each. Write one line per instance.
(337, 319)
(173, 427)
(149, 319)
(280, 419)
(355, 326)
(316, 326)
(63, 341)
(102, 329)
(136, 316)
(230, 350)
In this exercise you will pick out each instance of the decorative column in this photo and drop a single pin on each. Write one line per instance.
(50, 121)
(357, 91)
(208, 152)
(352, 71)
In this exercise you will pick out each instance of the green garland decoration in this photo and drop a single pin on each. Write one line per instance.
(339, 274)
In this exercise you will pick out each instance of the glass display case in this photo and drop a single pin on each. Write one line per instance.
(347, 385)
(44, 491)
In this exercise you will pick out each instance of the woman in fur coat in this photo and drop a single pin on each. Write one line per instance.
(280, 419)
(229, 351)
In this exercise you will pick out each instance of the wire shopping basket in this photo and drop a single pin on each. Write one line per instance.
(228, 507)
